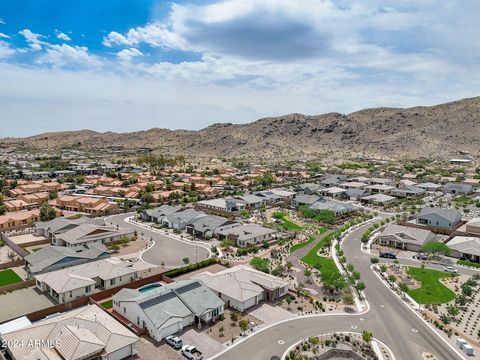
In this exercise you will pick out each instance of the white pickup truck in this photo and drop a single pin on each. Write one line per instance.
(191, 352)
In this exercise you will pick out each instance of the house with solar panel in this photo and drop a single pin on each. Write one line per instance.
(165, 310)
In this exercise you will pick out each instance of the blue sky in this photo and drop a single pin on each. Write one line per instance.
(123, 65)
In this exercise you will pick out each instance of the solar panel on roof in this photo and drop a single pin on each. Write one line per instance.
(188, 287)
(157, 300)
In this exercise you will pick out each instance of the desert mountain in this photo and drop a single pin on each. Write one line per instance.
(425, 131)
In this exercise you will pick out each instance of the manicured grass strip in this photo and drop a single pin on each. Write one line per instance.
(287, 223)
(432, 290)
(299, 246)
(329, 271)
(107, 304)
(8, 277)
(468, 263)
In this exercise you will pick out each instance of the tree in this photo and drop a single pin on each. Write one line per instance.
(347, 298)
(3, 209)
(243, 324)
(289, 265)
(234, 316)
(47, 213)
(453, 311)
(435, 248)
(403, 288)
(308, 273)
(367, 336)
(360, 286)
(350, 267)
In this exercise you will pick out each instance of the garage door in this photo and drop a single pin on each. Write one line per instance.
(121, 354)
(170, 330)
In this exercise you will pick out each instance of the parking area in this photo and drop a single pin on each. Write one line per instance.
(203, 342)
(271, 314)
(21, 302)
(151, 351)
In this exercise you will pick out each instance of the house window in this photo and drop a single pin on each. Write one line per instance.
(87, 289)
(112, 282)
(124, 310)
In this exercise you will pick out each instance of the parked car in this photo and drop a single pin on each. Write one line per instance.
(174, 341)
(275, 357)
(420, 257)
(191, 352)
(449, 269)
(388, 255)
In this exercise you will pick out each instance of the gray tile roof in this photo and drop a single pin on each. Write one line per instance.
(409, 235)
(178, 299)
(408, 190)
(465, 244)
(45, 257)
(89, 232)
(451, 215)
(304, 199)
(210, 223)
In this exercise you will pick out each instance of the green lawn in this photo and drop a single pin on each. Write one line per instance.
(468, 263)
(8, 277)
(107, 304)
(326, 265)
(289, 225)
(299, 246)
(432, 290)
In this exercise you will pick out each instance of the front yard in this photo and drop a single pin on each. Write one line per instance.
(8, 277)
(432, 290)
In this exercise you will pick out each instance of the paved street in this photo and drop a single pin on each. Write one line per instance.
(167, 251)
(389, 320)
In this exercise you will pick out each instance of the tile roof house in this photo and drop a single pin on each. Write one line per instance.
(436, 217)
(473, 226)
(379, 199)
(61, 225)
(221, 205)
(85, 204)
(405, 238)
(167, 309)
(77, 281)
(17, 219)
(304, 199)
(84, 333)
(430, 187)
(91, 234)
(242, 287)
(207, 226)
(309, 188)
(180, 219)
(465, 247)
(458, 188)
(158, 213)
(408, 191)
(337, 207)
(53, 258)
(333, 180)
(247, 234)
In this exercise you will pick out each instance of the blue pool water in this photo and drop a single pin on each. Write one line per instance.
(149, 287)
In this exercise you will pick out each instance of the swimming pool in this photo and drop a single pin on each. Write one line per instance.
(149, 287)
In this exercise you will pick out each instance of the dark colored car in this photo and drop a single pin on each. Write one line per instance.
(275, 357)
(388, 255)
(421, 257)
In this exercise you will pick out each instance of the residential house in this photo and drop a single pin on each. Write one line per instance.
(225, 205)
(157, 214)
(408, 191)
(458, 188)
(241, 287)
(304, 199)
(465, 247)
(82, 280)
(13, 220)
(89, 205)
(333, 180)
(378, 199)
(308, 188)
(88, 332)
(91, 234)
(473, 226)
(430, 187)
(168, 309)
(357, 194)
(252, 201)
(334, 192)
(180, 219)
(53, 258)
(247, 234)
(405, 238)
(441, 218)
(60, 225)
(380, 188)
(337, 207)
(206, 226)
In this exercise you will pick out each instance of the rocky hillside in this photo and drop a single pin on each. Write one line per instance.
(434, 131)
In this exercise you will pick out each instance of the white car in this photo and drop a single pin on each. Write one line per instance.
(174, 341)
(449, 269)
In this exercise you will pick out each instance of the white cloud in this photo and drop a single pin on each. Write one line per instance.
(69, 56)
(2, 21)
(128, 54)
(32, 39)
(5, 50)
(5, 36)
(63, 36)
